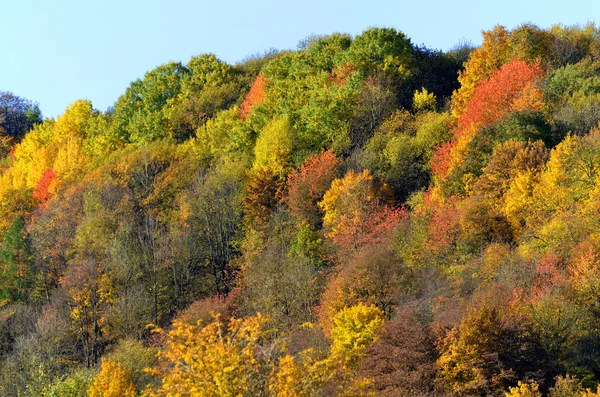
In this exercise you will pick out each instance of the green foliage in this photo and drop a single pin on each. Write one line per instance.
(134, 357)
(401, 149)
(278, 281)
(17, 117)
(580, 79)
(15, 259)
(74, 385)
(215, 204)
(574, 92)
(382, 50)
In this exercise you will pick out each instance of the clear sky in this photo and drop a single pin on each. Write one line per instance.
(55, 52)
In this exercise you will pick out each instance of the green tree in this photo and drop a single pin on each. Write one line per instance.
(17, 267)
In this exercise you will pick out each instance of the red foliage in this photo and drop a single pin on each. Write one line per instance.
(339, 75)
(41, 193)
(308, 184)
(440, 161)
(501, 92)
(549, 275)
(444, 225)
(511, 87)
(256, 95)
(374, 228)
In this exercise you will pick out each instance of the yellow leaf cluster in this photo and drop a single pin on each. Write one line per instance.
(424, 100)
(354, 329)
(241, 358)
(524, 390)
(112, 381)
(480, 65)
(214, 360)
(344, 201)
(301, 377)
(274, 147)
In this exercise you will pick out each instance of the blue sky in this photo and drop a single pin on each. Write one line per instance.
(55, 52)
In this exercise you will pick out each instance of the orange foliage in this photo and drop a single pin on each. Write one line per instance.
(584, 273)
(444, 226)
(549, 275)
(440, 161)
(256, 95)
(307, 185)
(376, 225)
(355, 214)
(509, 88)
(264, 191)
(339, 75)
(481, 63)
(42, 193)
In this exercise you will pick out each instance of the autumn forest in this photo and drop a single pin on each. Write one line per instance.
(361, 216)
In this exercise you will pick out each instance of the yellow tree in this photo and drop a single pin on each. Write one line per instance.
(354, 329)
(216, 360)
(491, 55)
(300, 376)
(242, 357)
(524, 389)
(562, 210)
(354, 209)
(274, 147)
(112, 381)
(527, 43)
(344, 202)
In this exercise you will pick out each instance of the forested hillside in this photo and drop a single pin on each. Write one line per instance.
(360, 216)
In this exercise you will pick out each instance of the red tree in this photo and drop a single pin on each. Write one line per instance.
(307, 185)
(41, 193)
(511, 87)
(256, 95)
(440, 161)
(549, 275)
(444, 227)
(376, 225)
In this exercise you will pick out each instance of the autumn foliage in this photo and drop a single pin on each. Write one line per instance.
(256, 95)
(42, 192)
(344, 219)
(216, 359)
(340, 74)
(308, 184)
(355, 212)
(512, 87)
(112, 381)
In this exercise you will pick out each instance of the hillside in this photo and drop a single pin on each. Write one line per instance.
(360, 216)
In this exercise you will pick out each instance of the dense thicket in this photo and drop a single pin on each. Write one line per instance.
(358, 216)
